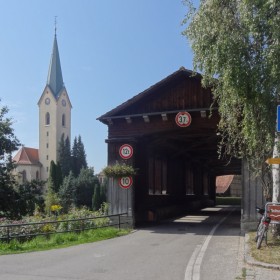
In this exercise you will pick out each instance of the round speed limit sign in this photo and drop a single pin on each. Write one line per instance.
(126, 151)
(183, 119)
(125, 182)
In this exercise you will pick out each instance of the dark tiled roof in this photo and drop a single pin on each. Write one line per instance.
(55, 80)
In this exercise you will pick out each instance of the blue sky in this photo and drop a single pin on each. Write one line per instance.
(109, 51)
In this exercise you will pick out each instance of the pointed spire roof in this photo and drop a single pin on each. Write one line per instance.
(55, 80)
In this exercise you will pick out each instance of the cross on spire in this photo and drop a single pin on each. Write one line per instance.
(55, 24)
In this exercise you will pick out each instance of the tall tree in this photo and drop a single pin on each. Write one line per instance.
(78, 156)
(85, 187)
(64, 156)
(55, 176)
(52, 175)
(82, 158)
(236, 47)
(59, 178)
(8, 144)
(75, 168)
(96, 199)
(67, 192)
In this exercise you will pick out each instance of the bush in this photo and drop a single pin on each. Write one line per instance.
(119, 170)
(64, 223)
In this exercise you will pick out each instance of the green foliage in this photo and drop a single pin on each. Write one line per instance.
(52, 176)
(50, 199)
(67, 192)
(8, 141)
(58, 177)
(235, 45)
(74, 220)
(228, 200)
(71, 160)
(119, 170)
(78, 191)
(103, 210)
(99, 198)
(78, 156)
(60, 240)
(30, 196)
(55, 175)
(96, 200)
(85, 187)
(64, 156)
(103, 192)
(8, 144)
(8, 200)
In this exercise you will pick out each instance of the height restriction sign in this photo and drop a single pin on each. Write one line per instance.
(183, 119)
(126, 151)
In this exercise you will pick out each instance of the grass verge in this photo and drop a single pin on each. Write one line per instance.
(60, 240)
(269, 253)
(220, 200)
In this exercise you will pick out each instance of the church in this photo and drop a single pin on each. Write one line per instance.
(54, 123)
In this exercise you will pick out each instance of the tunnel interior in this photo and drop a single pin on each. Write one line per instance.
(177, 171)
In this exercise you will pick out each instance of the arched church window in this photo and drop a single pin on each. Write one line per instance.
(63, 120)
(23, 176)
(37, 175)
(48, 118)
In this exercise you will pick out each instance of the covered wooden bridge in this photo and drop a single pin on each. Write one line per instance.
(167, 134)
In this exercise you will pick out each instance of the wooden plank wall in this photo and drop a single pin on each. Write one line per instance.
(252, 197)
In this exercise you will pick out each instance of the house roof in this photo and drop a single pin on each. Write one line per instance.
(27, 156)
(55, 80)
(182, 72)
(223, 183)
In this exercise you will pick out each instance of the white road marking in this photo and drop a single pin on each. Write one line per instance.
(193, 268)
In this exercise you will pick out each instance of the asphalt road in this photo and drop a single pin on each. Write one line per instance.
(200, 246)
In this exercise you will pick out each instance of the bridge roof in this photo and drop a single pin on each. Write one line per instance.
(149, 117)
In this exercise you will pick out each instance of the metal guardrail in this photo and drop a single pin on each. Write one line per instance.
(29, 230)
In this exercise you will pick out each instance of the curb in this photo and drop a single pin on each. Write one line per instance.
(250, 260)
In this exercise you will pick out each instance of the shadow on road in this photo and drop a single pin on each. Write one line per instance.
(200, 222)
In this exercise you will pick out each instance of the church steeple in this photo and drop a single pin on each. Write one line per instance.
(54, 114)
(55, 80)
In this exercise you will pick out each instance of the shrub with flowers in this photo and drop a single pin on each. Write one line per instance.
(76, 220)
(119, 170)
(56, 209)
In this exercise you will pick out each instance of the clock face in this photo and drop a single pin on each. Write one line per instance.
(47, 101)
(63, 102)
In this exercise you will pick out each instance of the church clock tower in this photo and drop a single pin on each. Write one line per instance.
(54, 114)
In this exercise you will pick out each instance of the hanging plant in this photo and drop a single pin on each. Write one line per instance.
(119, 170)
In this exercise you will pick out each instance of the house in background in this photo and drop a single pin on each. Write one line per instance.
(229, 185)
(28, 166)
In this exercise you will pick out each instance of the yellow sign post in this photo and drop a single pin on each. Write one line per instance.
(273, 161)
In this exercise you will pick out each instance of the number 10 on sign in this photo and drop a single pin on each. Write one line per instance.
(125, 182)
